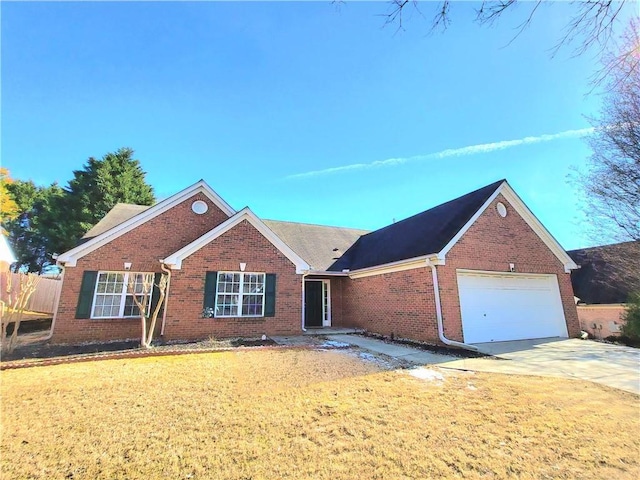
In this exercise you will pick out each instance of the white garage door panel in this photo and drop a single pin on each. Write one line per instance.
(501, 307)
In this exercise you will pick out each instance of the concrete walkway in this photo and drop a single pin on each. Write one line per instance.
(612, 365)
(399, 352)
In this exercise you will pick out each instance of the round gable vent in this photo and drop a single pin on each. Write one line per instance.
(199, 207)
(502, 210)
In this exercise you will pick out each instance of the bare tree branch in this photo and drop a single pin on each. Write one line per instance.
(591, 25)
(612, 184)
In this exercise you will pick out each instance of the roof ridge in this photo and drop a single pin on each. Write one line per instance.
(424, 233)
(132, 205)
(314, 224)
(448, 202)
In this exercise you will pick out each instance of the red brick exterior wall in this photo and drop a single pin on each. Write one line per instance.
(143, 246)
(492, 243)
(337, 299)
(601, 321)
(403, 303)
(400, 304)
(243, 243)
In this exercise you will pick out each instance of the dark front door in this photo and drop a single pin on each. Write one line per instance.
(313, 304)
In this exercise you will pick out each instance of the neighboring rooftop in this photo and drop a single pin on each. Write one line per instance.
(319, 245)
(120, 213)
(422, 234)
(607, 274)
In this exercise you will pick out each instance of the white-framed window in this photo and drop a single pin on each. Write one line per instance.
(240, 294)
(112, 297)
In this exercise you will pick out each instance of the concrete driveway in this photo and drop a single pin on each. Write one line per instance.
(613, 365)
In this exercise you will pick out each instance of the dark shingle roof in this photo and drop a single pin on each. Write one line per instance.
(318, 245)
(607, 274)
(424, 233)
(121, 212)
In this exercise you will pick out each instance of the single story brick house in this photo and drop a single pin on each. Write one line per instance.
(607, 277)
(480, 268)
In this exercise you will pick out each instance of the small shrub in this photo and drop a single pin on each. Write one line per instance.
(631, 328)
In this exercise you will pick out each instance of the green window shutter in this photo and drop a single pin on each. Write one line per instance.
(155, 293)
(210, 286)
(85, 299)
(270, 295)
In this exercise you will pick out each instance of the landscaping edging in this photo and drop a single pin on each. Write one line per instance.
(14, 364)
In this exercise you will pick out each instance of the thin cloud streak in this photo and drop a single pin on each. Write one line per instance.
(452, 152)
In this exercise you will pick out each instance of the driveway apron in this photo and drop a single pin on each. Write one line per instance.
(612, 365)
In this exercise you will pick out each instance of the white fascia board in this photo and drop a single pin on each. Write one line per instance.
(519, 206)
(175, 259)
(399, 266)
(537, 226)
(70, 257)
(443, 253)
(327, 273)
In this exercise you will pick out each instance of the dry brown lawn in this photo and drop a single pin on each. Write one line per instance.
(307, 414)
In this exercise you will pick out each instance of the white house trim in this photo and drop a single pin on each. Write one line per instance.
(69, 258)
(494, 273)
(175, 259)
(518, 205)
(398, 266)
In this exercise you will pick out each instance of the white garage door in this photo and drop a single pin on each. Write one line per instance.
(499, 307)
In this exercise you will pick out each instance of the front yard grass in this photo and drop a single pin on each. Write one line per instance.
(307, 414)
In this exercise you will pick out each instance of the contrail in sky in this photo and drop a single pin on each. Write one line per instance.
(451, 152)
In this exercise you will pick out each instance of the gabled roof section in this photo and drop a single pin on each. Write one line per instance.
(70, 257)
(319, 245)
(607, 274)
(422, 234)
(121, 212)
(175, 260)
(436, 231)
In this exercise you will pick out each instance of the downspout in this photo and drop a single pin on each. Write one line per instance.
(436, 292)
(304, 275)
(166, 297)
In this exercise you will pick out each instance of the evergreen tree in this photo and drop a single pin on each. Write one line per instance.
(52, 220)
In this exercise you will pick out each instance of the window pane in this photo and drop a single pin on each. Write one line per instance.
(240, 294)
(252, 305)
(111, 293)
(253, 283)
(106, 306)
(130, 307)
(227, 305)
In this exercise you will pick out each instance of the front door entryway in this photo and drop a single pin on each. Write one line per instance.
(317, 307)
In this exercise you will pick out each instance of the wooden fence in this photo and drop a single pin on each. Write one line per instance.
(42, 300)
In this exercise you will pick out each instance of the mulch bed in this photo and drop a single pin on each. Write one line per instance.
(41, 354)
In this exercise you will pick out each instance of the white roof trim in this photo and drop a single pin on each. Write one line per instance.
(175, 259)
(397, 266)
(519, 206)
(70, 257)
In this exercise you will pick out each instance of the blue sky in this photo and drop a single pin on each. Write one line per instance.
(248, 96)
